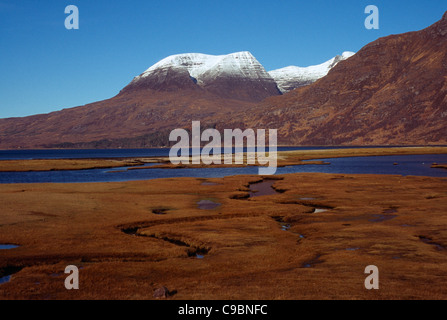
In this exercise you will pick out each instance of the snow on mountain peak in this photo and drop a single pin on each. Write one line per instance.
(206, 69)
(292, 77)
(203, 66)
(347, 54)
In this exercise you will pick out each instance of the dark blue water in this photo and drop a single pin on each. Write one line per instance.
(417, 165)
(8, 246)
(118, 153)
(82, 153)
(5, 279)
(410, 165)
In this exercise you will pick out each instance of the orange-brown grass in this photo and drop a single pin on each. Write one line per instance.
(65, 164)
(396, 223)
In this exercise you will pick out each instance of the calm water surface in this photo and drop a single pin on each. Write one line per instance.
(418, 165)
(121, 153)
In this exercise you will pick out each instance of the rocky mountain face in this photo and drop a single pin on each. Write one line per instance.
(393, 91)
(293, 77)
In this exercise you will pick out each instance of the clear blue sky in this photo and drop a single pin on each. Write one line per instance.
(45, 67)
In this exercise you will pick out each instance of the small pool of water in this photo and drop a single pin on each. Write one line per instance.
(319, 210)
(207, 205)
(431, 242)
(7, 274)
(8, 246)
(206, 183)
(312, 263)
(263, 188)
(5, 279)
(382, 217)
(160, 211)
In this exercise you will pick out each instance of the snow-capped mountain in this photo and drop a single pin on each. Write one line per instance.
(364, 100)
(204, 67)
(237, 75)
(292, 77)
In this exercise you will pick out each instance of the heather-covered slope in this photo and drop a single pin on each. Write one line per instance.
(393, 91)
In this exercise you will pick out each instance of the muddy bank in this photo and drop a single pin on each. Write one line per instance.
(439, 166)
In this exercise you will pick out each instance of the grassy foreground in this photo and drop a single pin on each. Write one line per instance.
(130, 238)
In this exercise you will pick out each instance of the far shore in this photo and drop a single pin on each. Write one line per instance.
(440, 166)
(285, 158)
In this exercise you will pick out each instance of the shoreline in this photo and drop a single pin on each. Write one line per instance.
(285, 158)
(279, 146)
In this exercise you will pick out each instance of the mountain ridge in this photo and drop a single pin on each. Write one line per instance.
(392, 91)
(292, 77)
